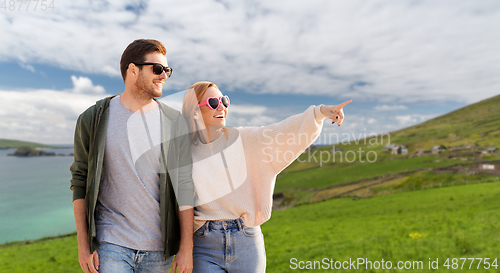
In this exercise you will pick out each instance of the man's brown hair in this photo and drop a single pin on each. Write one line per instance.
(136, 52)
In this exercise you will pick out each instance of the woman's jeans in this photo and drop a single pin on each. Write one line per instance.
(117, 259)
(228, 246)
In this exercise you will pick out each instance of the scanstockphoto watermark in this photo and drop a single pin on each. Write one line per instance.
(363, 151)
(354, 264)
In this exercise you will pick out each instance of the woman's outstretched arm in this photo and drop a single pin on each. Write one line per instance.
(279, 144)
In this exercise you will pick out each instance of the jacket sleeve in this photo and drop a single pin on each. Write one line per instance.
(79, 167)
(185, 190)
(283, 142)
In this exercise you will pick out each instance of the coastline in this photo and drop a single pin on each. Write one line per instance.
(27, 242)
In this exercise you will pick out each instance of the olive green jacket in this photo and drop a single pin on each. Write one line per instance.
(176, 184)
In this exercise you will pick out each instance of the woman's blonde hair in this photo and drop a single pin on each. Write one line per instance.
(190, 104)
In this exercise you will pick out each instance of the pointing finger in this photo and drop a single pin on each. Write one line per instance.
(345, 103)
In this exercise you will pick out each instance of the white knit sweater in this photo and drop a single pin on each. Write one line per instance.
(234, 175)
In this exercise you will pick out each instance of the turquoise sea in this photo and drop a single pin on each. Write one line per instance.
(35, 199)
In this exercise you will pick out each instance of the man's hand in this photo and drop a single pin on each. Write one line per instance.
(88, 262)
(183, 261)
(335, 112)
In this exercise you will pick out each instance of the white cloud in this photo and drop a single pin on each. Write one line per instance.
(248, 109)
(248, 119)
(385, 107)
(408, 120)
(174, 100)
(47, 116)
(83, 85)
(387, 51)
(27, 67)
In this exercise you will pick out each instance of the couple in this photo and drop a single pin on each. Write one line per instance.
(149, 182)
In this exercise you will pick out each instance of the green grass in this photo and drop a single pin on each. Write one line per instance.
(319, 178)
(57, 255)
(454, 222)
(429, 179)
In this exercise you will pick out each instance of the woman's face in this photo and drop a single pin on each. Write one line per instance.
(216, 118)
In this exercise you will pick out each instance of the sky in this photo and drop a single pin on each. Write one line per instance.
(401, 62)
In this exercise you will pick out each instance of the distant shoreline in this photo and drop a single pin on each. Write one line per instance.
(26, 151)
(27, 242)
(13, 144)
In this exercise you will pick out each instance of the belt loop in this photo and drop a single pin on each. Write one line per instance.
(240, 224)
(207, 226)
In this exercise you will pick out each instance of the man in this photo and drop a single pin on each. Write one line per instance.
(131, 178)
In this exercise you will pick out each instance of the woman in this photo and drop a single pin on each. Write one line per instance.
(234, 172)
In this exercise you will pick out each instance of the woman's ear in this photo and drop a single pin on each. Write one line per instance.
(197, 114)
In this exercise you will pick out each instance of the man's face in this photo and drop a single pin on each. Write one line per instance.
(149, 84)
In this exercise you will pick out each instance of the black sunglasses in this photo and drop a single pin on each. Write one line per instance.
(158, 68)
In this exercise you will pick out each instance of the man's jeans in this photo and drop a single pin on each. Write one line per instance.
(228, 246)
(117, 259)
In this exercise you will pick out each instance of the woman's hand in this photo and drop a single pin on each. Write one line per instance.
(334, 112)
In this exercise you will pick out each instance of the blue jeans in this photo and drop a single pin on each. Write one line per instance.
(228, 246)
(117, 259)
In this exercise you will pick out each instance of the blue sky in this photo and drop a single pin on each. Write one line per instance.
(402, 62)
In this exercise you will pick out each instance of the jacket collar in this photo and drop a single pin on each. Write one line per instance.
(168, 111)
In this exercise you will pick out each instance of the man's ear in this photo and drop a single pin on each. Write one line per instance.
(133, 69)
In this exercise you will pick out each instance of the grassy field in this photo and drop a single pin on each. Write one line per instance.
(301, 186)
(57, 255)
(416, 181)
(453, 222)
(323, 177)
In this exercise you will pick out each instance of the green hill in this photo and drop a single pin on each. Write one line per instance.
(466, 133)
(11, 143)
(477, 125)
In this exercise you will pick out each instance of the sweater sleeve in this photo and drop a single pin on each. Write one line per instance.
(281, 143)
